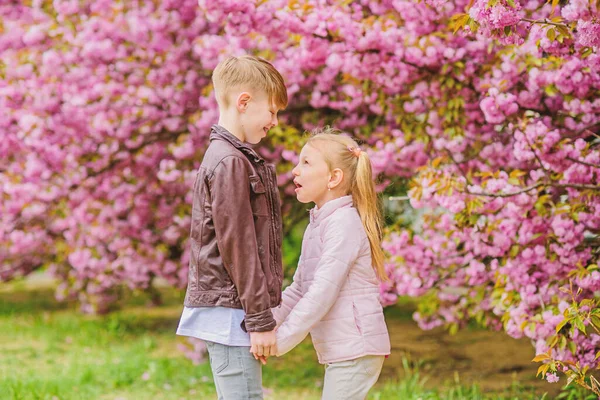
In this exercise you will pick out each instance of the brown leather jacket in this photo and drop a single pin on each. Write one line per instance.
(236, 234)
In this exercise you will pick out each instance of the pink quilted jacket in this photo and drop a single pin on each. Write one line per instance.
(335, 293)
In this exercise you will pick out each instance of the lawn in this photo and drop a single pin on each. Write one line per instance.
(50, 351)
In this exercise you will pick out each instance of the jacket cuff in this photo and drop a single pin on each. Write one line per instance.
(259, 322)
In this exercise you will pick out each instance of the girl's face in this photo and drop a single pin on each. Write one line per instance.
(311, 177)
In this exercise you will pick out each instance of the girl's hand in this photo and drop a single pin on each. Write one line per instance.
(262, 359)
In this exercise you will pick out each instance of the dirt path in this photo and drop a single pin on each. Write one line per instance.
(492, 359)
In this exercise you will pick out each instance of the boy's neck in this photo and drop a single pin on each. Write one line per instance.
(232, 127)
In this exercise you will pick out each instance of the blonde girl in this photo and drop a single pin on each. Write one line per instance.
(334, 295)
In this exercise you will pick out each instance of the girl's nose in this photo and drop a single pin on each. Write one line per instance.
(295, 171)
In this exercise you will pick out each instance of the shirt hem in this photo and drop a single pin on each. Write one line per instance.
(211, 338)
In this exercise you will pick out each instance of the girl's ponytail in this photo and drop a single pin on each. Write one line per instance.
(367, 204)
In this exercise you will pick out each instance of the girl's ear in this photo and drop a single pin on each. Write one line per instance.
(242, 102)
(337, 175)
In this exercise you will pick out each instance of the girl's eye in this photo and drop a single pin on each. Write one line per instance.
(305, 162)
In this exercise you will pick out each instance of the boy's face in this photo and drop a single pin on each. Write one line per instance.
(311, 176)
(258, 116)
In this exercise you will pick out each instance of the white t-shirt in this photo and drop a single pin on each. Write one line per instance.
(214, 324)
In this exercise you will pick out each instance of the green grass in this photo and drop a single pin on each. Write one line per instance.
(50, 351)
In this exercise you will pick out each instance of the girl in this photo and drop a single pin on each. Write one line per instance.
(335, 291)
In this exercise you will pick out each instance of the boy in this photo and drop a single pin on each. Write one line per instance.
(235, 274)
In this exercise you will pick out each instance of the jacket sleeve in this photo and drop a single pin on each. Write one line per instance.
(290, 297)
(341, 247)
(237, 243)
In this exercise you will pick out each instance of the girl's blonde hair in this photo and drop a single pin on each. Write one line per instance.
(342, 152)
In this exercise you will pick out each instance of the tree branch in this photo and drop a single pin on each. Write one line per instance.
(163, 135)
(542, 22)
(575, 186)
(537, 185)
(486, 194)
(587, 128)
(583, 162)
(458, 166)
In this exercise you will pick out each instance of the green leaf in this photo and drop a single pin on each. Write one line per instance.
(474, 26)
(553, 341)
(585, 302)
(459, 21)
(563, 342)
(586, 51)
(514, 250)
(550, 90)
(554, 4)
(551, 34)
(579, 324)
(517, 173)
(541, 357)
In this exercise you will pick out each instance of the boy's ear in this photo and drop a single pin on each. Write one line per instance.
(336, 177)
(242, 101)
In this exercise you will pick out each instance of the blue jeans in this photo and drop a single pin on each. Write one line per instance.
(237, 374)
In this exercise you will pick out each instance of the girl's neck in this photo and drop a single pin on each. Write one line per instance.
(329, 196)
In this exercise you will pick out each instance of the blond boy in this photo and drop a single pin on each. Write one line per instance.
(235, 274)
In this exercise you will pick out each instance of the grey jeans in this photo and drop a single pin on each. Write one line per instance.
(352, 379)
(237, 374)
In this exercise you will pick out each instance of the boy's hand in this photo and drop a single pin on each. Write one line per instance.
(263, 344)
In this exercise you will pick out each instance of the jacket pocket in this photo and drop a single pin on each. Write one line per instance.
(258, 196)
(356, 319)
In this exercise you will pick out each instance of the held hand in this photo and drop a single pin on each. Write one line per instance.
(262, 359)
(263, 344)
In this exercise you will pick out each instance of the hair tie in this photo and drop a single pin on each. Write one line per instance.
(355, 150)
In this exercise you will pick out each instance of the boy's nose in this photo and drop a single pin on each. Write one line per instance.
(274, 120)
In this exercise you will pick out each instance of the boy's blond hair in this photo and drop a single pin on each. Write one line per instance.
(249, 73)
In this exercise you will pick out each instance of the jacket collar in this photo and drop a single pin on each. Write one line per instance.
(319, 214)
(218, 132)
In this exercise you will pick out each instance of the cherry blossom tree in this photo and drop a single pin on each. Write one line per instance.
(484, 114)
